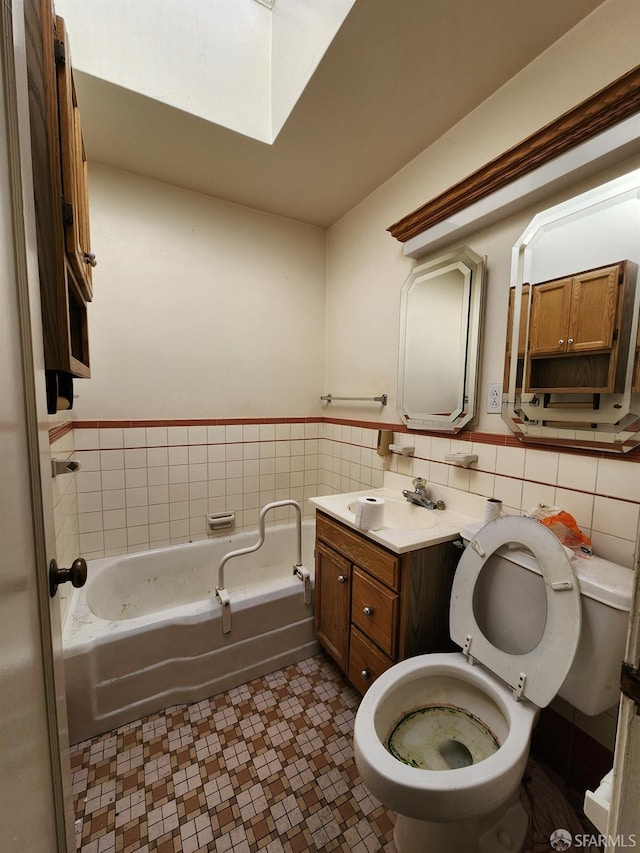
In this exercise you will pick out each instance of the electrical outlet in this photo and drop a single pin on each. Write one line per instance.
(494, 398)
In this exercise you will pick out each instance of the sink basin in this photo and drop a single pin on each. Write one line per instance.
(407, 527)
(401, 515)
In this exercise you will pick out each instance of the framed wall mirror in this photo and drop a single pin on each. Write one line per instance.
(572, 373)
(440, 322)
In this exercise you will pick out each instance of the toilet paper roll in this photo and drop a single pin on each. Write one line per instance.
(493, 509)
(370, 513)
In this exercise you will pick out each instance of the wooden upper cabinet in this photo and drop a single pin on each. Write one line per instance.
(550, 309)
(522, 334)
(61, 195)
(575, 314)
(73, 163)
(579, 333)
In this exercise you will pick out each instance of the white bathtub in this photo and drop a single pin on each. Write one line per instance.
(145, 632)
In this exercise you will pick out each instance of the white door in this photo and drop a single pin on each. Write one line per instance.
(623, 831)
(36, 815)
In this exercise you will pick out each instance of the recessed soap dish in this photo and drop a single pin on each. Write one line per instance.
(463, 459)
(403, 449)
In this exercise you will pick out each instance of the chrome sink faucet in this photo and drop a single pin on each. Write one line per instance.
(420, 496)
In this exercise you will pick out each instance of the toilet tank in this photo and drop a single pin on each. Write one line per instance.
(592, 684)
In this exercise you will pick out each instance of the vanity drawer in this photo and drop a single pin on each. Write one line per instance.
(354, 546)
(374, 609)
(366, 661)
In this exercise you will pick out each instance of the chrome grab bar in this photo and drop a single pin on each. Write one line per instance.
(221, 593)
(381, 399)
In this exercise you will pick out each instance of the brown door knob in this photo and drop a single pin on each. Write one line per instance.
(77, 574)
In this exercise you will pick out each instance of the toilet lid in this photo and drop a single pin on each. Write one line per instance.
(538, 674)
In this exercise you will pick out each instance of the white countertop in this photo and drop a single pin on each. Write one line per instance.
(439, 525)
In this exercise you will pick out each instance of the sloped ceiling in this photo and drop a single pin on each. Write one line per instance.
(398, 74)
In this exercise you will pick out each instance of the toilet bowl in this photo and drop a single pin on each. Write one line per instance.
(443, 739)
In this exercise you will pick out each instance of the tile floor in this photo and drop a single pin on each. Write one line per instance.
(267, 766)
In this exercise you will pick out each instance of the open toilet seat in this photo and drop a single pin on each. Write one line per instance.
(538, 674)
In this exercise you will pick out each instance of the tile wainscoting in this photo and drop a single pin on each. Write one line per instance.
(148, 484)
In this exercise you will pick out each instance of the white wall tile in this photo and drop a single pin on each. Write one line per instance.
(157, 436)
(135, 478)
(536, 493)
(614, 548)
(137, 496)
(178, 492)
(619, 479)
(111, 437)
(233, 432)
(135, 457)
(176, 435)
(113, 519)
(197, 434)
(510, 461)
(135, 437)
(89, 459)
(179, 455)
(215, 434)
(111, 460)
(579, 504)
(487, 454)
(88, 481)
(197, 454)
(86, 439)
(617, 518)
(158, 476)
(541, 466)
(113, 499)
(577, 472)
(159, 513)
(158, 494)
(216, 453)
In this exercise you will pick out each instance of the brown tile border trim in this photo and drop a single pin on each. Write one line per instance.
(498, 439)
(60, 430)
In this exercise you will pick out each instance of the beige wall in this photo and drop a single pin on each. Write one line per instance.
(202, 308)
(366, 267)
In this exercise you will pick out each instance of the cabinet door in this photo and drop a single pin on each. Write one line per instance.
(333, 603)
(550, 308)
(594, 302)
(366, 661)
(375, 611)
(74, 170)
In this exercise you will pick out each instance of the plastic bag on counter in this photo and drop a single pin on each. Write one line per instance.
(564, 527)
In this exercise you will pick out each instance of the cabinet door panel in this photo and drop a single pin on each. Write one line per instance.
(374, 609)
(366, 661)
(550, 307)
(333, 603)
(74, 170)
(593, 310)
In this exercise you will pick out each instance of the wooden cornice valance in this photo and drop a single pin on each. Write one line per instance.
(606, 108)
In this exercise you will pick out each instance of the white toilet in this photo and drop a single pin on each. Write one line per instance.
(443, 739)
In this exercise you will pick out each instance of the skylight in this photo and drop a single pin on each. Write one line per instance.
(223, 60)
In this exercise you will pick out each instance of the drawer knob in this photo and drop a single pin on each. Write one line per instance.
(561, 341)
(368, 611)
(342, 579)
(365, 674)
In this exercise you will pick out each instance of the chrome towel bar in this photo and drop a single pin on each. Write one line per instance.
(381, 399)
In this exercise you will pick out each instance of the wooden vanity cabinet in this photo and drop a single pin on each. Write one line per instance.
(374, 608)
(576, 327)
